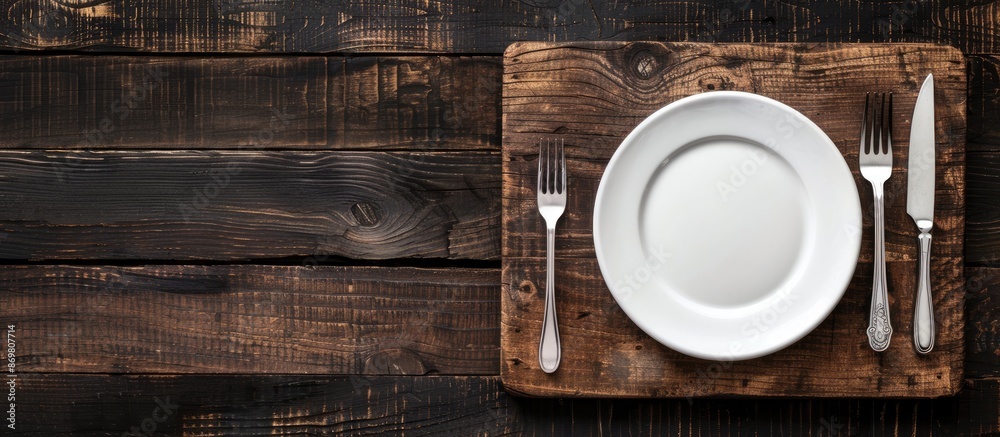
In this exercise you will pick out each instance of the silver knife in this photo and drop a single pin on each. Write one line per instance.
(920, 206)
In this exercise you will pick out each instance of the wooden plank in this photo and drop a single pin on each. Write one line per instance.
(50, 404)
(239, 205)
(261, 405)
(983, 215)
(593, 94)
(69, 308)
(982, 309)
(979, 407)
(98, 102)
(422, 103)
(984, 104)
(94, 102)
(252, 319)
(467, 26)
(974, 27)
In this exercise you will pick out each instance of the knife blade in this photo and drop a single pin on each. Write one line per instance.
(920, 206)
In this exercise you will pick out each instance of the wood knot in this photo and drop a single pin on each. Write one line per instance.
(522, 294)
(49, 24)
(717, 83)
(394, 362)
(367, 214)
(644, 65)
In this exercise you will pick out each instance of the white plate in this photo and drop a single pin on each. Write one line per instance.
(727, 225)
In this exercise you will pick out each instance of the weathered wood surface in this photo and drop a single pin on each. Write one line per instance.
(402, 103)
(238, 205)
(108, 102)
(70, 308)
(593, 94)
(979, 400)
(472, 26)
(984, 105)
(983, 215)
(102, 404)
(982, 314)
(983, 210)
(252, 405)
(253, 319)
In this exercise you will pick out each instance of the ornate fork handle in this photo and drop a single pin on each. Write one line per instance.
(879, 328)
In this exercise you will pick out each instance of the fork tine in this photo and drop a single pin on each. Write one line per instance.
(550, 183)
(879, 130)
(881, 127)
(562, 166)
(550, 164)
(888, 128)
(875, 140)
(541, 161)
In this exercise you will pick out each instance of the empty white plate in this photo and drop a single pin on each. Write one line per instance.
(727, 225)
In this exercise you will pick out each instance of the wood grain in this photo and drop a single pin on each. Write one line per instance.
(422, 102)
(214, 99)
(246, 405)
(614, 358)
(983, 215)
(984, 104)
(240, 205)
(76, 303)
(593, 94)
(982, 334)
(467, 26)
(372, 102)
(253, 319)
(979, 407)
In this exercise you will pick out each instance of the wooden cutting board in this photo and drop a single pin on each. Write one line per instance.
(593, 94)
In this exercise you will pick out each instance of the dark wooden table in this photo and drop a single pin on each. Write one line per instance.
(247, 218)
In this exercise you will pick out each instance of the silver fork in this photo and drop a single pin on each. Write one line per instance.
(551, 204)
(876, 166)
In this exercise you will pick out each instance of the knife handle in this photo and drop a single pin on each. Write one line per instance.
(923, 311)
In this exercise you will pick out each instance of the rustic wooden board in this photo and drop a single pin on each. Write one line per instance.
(238, 205)
(259, 405)
(253, 319)
(464, 26)
(593, 94)
(372, 102)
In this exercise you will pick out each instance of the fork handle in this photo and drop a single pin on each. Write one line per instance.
(923, 313)
(879, 328)
(549, 350)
